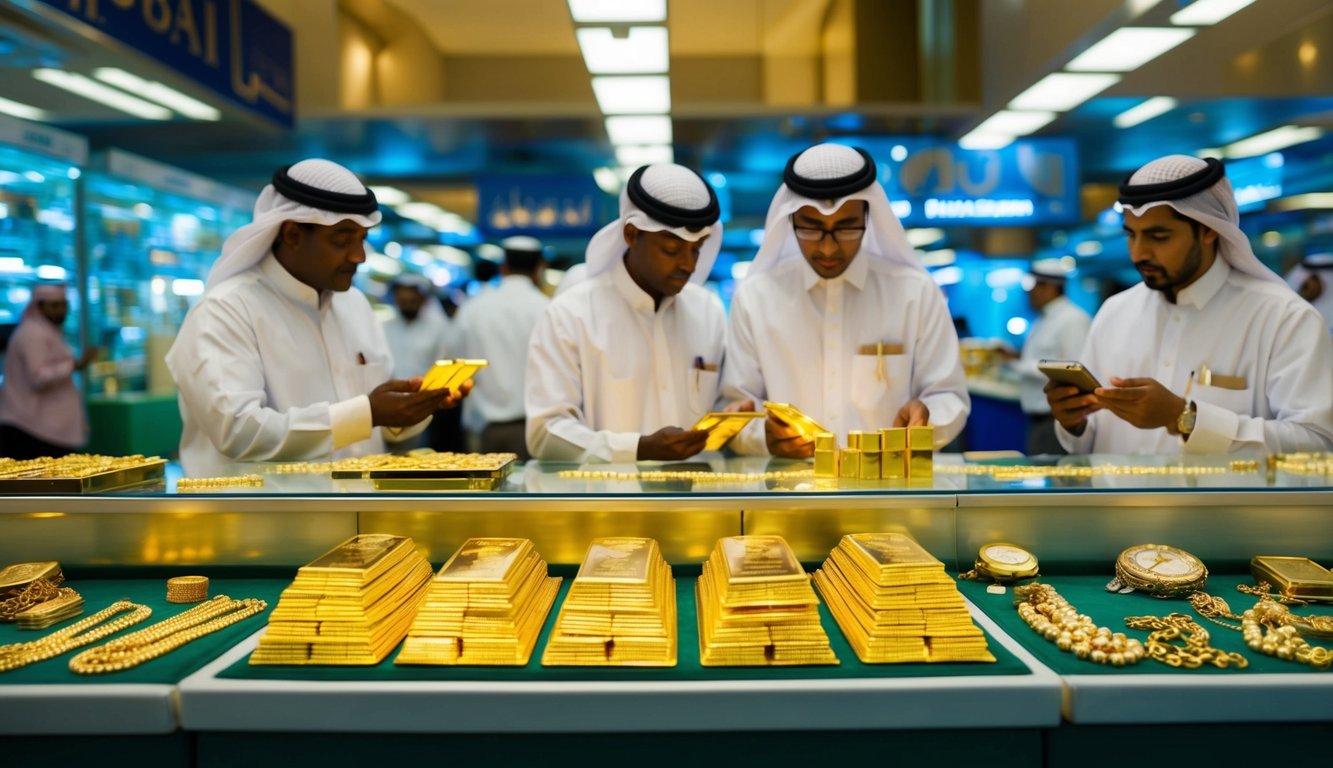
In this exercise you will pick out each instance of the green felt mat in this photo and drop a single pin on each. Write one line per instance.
(168, 669)
(687, 667)
(1108, 609)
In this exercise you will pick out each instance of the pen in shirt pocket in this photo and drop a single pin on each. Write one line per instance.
(360, 358)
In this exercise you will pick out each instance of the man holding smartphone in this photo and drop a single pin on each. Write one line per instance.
(1212, 352)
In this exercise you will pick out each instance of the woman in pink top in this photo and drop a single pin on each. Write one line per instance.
(41, 409)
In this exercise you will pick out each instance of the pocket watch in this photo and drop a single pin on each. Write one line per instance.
(1002, 562)
(1159, 570)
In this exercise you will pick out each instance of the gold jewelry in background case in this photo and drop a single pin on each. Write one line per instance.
(78, 473)
(1159, 570)
(1002, 563)
(1298, 577)
(721, 426)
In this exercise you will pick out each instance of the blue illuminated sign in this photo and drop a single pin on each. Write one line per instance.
(1256, 180)
(232, 47)
(538, 205)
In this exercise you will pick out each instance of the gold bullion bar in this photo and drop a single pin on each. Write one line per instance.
(755, 559)
(485, 559)
(893, 443)
(920, 453)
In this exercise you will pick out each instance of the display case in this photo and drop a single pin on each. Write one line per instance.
(1039, 706)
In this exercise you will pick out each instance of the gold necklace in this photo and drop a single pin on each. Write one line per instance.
(76, 635)
(1270, 627)
(165, 636)
(696, 476)
(1052, 617)
(1194, 653)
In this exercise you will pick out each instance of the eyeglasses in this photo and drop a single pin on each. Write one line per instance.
(839, 234)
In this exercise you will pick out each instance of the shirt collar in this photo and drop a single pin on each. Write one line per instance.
(1055, 304)
(1201, 291)
(294, 290)
(637, 298)
(854, 275)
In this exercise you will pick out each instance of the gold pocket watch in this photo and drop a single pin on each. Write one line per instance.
(1002, 563)
(1158, 570)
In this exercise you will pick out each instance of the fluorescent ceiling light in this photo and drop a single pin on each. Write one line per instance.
(1202, 13)
(976, 140)
(154, 91)
(633, 95)
(1144, 111)
(642, 51)
(1129, 48)
(585, 11)
(639, 129)
(390, 196)
(1272, 141)
(1015, 123)
(1315, 200)
(21, 110)
(924, 236)
(941, 258)
(95, 91)
(636, 156)
(1062, 91)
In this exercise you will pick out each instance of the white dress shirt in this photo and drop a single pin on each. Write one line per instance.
(800, 339)
(605, 368)
(497, 326)
(1272, 346)
(271, 370)
(416, 345)
(1057, 334)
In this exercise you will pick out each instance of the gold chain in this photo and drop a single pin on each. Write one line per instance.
(1194, 653)
(698, 477)
(165, 636)
(1214, 609)
(1052, 617)
(1272, 630)
(35, 593)
(1027, 471)
(76, 635)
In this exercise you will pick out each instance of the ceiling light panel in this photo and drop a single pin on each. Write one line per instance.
(635, 156)
(617, 11)
(642, 51)
(1129, 48)
(633, 95)
(95, 91)
(1144, 111)
(1062, 91)
(155, 91)
(1202, 13)
(639, 129)
(18, 109)
(1272, 141)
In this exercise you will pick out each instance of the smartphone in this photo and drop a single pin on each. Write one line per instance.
(722, 426)
(450, 374)
(790, 414)
(1069, 372)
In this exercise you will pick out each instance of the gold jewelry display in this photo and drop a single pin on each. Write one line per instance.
(695, 476)
(76, 635)
(1270, 629)
(1194, 653)
(72, 465)
(24, 586)
(1303, 463)
(1052, 617)
(1159, 570)
(187, 589)
(1002, 563)
(66, 605)
(208, 483)
(165, 636)
(1027, 471)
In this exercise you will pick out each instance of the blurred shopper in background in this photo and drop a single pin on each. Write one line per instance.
(419, 333)
(1311, 281)
(1212, 352)
(1058, 333)
(41, 408)
(838, 317)
(625, 361)
(496, 326)
(282, 359)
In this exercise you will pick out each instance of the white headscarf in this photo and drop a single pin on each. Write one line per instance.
(1320, 266)
(43, 292)
(670, 184)
(884, 237)
(423, 285)
(249, 245)
(1214, 207)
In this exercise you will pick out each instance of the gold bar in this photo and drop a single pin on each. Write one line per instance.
(854, 438)
(826, 441)
(920, 453)
(871, 462)
(849, 463)
(826, 463)
(893, 443)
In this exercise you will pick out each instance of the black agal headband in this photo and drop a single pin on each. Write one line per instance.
(692, 219)
(1177, 189)
(830, 189)
(337, 202)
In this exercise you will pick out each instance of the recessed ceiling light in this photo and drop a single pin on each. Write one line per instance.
(1272, 141)
(155, 91)
(1144, 111)
(617, 11)
(639, 129)
(1129, 48)
(95, 91)
(18, 109)
(1062, 91)
(633, 94)
(642, 51)
(1202, 13)
(635, 156)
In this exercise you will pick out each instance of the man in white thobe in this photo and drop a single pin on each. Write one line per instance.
(1212, 352)
(623, 363)
(419, 333)
(1058, 333)
(1311, 281)
(838, 317)
(496, 326)
(282, 358)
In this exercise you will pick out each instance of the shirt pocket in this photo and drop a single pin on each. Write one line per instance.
(702, 387)
(880, 386)
(1236, 400)
(375, 371)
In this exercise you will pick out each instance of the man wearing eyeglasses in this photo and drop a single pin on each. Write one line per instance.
(838, 317)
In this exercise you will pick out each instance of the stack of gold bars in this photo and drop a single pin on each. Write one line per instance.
(895, 603)
(486, 606)
(756, 607)
(620, 610)
(351, 606)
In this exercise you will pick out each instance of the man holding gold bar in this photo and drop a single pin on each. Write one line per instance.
(282, 359)
(1213, 352)
(622, 363)
(838, 317)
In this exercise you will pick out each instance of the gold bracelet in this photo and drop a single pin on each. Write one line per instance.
(208, 483)
(165, 636)
(1052, 617)
(76, 635)
(187, 589)
(1196, 650)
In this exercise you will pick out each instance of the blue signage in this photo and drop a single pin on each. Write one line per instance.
(232, 47)
(1256, 180)
(930, 182)
(538, 205)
